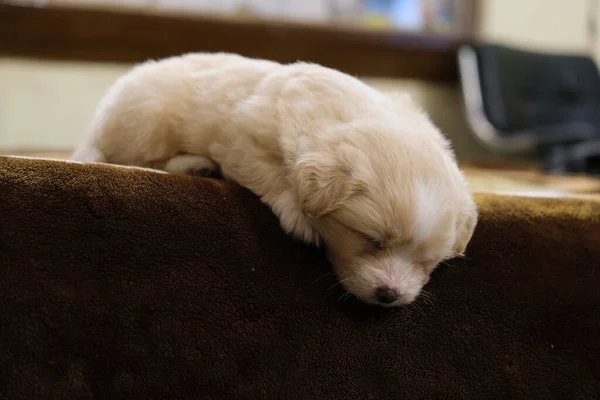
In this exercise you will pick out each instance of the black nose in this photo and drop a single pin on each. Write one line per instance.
(386, 295)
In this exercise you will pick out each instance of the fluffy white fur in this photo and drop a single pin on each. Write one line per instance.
(339, 162)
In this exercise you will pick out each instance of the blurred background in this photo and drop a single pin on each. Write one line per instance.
(58, 57)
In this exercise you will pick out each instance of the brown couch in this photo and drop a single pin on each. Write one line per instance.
(117, 283)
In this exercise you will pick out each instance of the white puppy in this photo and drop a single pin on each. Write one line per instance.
(337, 161)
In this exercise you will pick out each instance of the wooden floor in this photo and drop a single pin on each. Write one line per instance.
(528, 179)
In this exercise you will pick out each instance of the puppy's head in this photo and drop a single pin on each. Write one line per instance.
(389, 207)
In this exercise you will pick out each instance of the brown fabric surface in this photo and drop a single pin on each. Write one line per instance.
(125, 284)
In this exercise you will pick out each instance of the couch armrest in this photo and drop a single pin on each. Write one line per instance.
(131, 284)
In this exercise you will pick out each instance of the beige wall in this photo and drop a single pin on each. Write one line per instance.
(549, 25)
(47, 105)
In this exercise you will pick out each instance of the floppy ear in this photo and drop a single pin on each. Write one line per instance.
(322, 183)
(466, 228)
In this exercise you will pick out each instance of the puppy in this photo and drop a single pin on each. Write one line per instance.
(339, 163)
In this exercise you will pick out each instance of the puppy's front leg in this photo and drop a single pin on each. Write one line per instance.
(246, 164)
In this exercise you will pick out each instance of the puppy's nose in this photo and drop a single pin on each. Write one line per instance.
(386, 295)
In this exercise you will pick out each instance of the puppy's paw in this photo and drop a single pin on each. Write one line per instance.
(293, 221)
(306, 233)
(189, 164)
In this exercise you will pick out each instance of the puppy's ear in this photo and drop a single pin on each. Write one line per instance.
(322, 183)
(466, 227)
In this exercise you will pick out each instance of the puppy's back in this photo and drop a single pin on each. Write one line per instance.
(159, 108)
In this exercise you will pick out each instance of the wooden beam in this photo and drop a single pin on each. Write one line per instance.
(130, 36)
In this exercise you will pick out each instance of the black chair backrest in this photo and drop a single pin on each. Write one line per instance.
(551, 94)
(524, 90)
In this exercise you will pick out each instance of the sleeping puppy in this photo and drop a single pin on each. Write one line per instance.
(339, 163)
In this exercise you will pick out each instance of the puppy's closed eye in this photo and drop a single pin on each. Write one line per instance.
(373, 241)
(376, 243)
